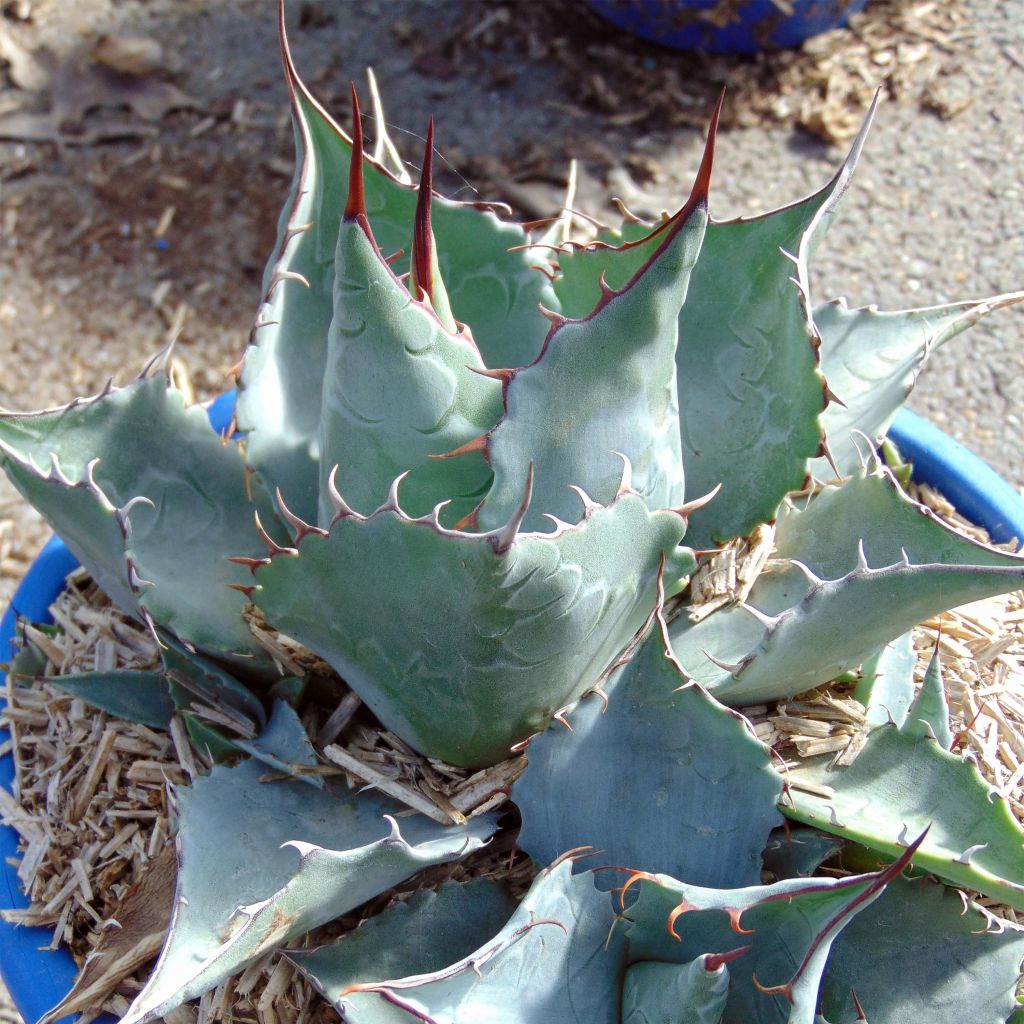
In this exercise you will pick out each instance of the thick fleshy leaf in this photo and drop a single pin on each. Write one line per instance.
(135, 695)
(486, 635)
(291, 752)
(202, 682)
(821, 608)
(750, 394)
(398, 389)
(604, 389)
(693, 993)
(206, 738)
(886, 684)
(798, 852)
(871, 360)
(29, 663)
(422, 935)
(919, 954)
(929, 714)
(788, 929)
(616, 255)
(665, 777)
(241, 889)
(871, 511)
(901, 784)
(493, 289)
(84, 517)
(557, 959)
(166, 555)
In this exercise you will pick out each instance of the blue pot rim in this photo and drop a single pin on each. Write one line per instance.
(37, 982)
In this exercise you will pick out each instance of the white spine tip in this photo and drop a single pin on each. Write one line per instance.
(301, 848)
(768, 621)
(725, 666)
(90, 482)
(58, 474)
(392, 504)
(435, 513)
(698, 503)
(862, 558)
(342, 509)
(626, 481)
(812, 578)
(394, 836)
(503, 538)
(965, 857)
(135, 581)
(589, 505)
(560, 524)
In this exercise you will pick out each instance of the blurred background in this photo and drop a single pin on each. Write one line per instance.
(145, 151)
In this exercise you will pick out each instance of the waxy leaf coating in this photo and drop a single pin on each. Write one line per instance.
(459, 644)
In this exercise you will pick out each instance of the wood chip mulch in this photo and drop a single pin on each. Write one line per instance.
(92, 805)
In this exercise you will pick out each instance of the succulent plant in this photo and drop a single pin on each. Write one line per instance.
(462, 478)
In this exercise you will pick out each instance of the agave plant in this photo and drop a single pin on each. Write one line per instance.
(462, 478)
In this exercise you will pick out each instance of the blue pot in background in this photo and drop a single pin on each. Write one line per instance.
(756, 25)
(37, 981)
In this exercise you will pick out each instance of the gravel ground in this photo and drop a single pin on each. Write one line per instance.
(86, 293)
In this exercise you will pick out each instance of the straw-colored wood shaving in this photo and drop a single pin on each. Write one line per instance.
(728, 576)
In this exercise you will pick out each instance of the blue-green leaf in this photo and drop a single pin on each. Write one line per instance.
(860, 565)
(693, 993)
(399, 389)
(490, 282)
(422, 935)
(243, 892)
(901, 784)
(154, 523)
(787, 928)
(290, 751)
(886, 685)
(135, 695)
(485, 635)
(603, 389)
(559, 958)
(871, 360)
(664, 778)
(921, 953)
(929, 714)
(750, 394)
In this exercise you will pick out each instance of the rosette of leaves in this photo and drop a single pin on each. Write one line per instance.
(466, 461)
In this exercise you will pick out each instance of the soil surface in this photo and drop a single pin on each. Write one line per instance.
(145, 151)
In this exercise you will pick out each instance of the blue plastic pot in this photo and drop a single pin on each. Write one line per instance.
(758, 25)
(37, 981)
